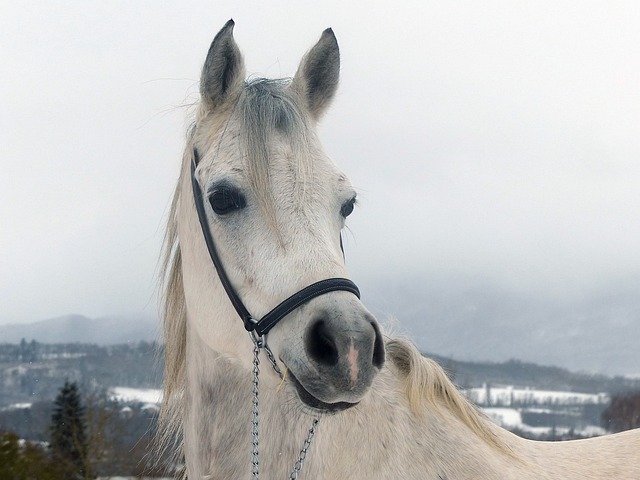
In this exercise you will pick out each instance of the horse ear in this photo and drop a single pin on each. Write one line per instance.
(223, 71)
(317, 77)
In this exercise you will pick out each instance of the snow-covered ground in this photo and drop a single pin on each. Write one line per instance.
(507, 396)
(505, 417)
(508, 405)
(511, 419)
(17, 406)
(142, 395)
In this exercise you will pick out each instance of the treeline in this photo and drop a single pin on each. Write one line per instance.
(623, 412)
(524, 374)
(37, 352)
(83, 436)
(33, 371)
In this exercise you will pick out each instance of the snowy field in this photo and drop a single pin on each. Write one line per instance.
(507, 396)
(511, 419)
(17, 406)
(503, 396)
(142, 395)
(152, 396)
(506, 405)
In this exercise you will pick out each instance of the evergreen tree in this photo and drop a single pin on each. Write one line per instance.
(68, 431)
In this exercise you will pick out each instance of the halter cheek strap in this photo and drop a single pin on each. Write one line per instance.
(260, 327)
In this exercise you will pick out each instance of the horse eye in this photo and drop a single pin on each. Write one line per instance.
(347, 207)
(226, 199)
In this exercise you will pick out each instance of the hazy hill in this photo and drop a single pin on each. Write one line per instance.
(78, 328)
(595, 332)
(526, 374)
(465, 322)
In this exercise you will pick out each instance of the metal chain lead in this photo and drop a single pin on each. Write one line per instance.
(305, 448)
(255, 451)
(258, 344)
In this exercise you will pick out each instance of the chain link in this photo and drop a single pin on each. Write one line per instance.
(271, 358)
(305, 448)
(258, 344)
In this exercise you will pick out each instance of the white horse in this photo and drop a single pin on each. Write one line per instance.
(273, 205)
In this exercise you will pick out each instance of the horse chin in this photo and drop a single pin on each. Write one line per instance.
(315, 404)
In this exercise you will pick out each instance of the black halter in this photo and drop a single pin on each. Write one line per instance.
(266, 323)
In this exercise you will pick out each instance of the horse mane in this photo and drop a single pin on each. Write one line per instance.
(174, 325)
(427, 383)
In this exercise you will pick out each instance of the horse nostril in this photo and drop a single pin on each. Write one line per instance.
(378, 347)
(320, 344)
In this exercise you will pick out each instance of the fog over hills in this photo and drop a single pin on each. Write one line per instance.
(594, 333)
(78, 328)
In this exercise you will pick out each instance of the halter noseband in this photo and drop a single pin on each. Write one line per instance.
(260, 327)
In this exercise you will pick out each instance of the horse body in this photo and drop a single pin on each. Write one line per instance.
(275, 204)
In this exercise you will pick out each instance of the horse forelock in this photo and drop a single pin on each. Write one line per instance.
(269, 112)
(265, 113)
(427, 382)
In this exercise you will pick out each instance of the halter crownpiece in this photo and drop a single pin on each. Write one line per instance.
(262, 326)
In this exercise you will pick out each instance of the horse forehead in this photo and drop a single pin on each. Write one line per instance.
(294, 169)
(291, 165)
(309, 164)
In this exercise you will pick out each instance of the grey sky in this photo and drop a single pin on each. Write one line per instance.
(494, 140)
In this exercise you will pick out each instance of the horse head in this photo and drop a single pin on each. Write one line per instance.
(275, 205)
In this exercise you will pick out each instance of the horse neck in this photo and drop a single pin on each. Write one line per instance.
(380, 438)
(383, 438)
(217, 422)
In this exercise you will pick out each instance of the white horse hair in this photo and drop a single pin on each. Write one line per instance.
(277, 207)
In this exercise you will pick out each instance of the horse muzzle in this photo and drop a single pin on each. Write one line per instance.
(341, 353)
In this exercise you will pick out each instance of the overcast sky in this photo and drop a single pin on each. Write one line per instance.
(494, 140)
